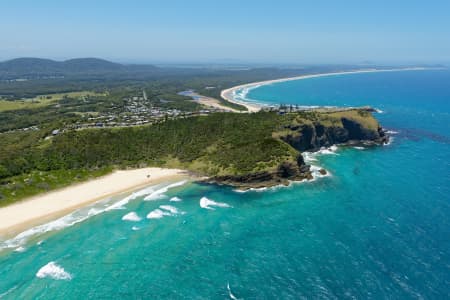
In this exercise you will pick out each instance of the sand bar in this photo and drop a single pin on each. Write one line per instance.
(42, 208)
(229, 94)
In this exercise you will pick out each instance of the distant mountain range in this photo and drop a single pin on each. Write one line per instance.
(39, 67)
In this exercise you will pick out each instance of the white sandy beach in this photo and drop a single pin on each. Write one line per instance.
(42, 208)
(228, 94)
(212, 102)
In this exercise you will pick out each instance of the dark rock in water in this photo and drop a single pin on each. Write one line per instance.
(323, 172)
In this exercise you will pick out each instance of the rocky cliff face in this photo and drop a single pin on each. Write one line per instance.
(285, 172)
(315, 136)
(308, 137)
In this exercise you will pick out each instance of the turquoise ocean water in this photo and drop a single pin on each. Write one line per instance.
(378, 227)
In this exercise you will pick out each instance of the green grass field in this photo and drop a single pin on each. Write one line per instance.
(42, 100)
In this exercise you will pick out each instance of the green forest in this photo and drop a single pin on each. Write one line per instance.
(219, 144)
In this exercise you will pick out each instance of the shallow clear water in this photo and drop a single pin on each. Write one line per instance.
(379, 227)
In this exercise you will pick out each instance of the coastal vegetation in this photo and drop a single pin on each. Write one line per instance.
(64, 122)
(31, 77)
(239, 149)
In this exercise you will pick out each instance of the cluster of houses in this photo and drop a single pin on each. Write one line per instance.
(137, 110)
(31, 128)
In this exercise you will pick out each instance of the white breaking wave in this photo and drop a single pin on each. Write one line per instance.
(312, 156)
(207, 203)
(391, 139)
(52, 270)
(135, 228)
(170, 208)
(272, 188)
(132, 217)
(392, 132)
(163, 211)
(309, 157)
(66, 221)
(20, 249)
(121, 204)
(331, 150)
(159, 193)
(157, 214)
(242, 95)
(175, 199)
(80, 215)
(262, 189)
(359, 148)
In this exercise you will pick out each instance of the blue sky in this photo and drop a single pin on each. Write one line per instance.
(280, 31)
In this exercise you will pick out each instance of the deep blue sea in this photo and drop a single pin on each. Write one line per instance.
(377, 228)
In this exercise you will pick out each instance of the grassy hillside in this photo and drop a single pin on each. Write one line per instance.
(221, 145)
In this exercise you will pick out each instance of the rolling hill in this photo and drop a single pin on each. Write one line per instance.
(31, 68)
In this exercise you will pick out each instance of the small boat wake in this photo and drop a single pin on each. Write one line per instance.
(230, 293)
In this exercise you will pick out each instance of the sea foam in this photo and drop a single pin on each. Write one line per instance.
(242, 95)
(132, 217)
(207, 203)
(170, 208)
(163, 211)
(83, 214)
(121, 204)
(159, 193)
(330, 150)
(311, 159)
(157, 214)
(66, 221)
(52, 270)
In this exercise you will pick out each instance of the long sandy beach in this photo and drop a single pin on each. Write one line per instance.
(42, 208)
(229, 94)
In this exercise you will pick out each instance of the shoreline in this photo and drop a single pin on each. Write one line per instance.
(211, 102)
(229, 94)
(40, 209)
